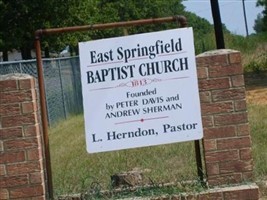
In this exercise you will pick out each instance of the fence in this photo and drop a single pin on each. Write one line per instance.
(62, 84)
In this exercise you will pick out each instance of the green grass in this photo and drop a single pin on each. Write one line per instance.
(258, 126)
(75, 171)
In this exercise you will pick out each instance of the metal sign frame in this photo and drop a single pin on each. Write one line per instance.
(182, 22)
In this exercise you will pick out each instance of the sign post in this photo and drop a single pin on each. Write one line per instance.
(140, 90)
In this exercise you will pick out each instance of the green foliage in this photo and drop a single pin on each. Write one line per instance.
(201, 25)
(20, 19)
(253, 66)
(258, 64)
(125, 10)
(261, 21)
(253, 50)
(257, 118)
(259, 25)
(203, 32)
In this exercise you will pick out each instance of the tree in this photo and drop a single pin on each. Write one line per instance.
(17, 23)
(261, 21)
(259, 25)
(125, 10)
(20, 19)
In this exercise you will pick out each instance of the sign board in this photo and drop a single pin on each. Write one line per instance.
(140, 90)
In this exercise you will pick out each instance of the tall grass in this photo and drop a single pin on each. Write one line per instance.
(253, 48)
(74, 170)
(258, 124)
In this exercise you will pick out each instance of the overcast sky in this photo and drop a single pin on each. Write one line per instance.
(231, 13)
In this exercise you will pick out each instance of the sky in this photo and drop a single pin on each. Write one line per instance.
(232, 14)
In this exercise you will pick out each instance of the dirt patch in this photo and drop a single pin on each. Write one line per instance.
(257, 95)
(256, 88)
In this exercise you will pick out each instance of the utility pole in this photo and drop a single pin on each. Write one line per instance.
(217, 24)
(245, 16)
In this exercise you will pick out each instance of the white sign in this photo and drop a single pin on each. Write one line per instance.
(140, 90)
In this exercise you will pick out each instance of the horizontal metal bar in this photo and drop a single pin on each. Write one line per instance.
(180, 19)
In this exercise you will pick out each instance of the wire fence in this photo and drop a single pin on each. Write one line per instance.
(62, 84)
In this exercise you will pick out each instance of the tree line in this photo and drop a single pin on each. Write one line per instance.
(21, 18)
(261, 21)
